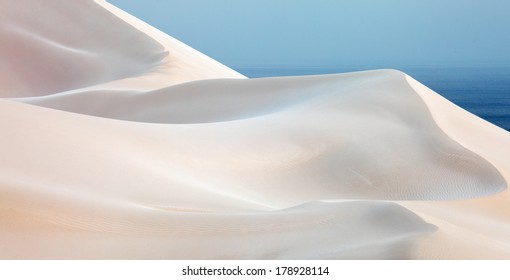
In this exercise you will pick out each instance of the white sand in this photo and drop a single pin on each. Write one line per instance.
(121, 142)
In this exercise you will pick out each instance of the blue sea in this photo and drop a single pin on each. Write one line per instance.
(483, 91)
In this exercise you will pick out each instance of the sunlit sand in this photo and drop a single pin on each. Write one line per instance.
(120, 142)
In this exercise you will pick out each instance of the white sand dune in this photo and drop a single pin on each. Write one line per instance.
(55, 46)
(121, 142)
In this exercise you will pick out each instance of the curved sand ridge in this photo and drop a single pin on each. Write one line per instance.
(171, 155)
(55, 46)
(325, 137)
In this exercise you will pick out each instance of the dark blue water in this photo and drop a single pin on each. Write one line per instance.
(483, 91)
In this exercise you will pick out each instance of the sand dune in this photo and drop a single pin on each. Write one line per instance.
(121, 142)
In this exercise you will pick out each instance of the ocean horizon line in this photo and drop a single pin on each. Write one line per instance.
(376, 67)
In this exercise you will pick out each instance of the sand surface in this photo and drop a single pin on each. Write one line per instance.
(120, 142)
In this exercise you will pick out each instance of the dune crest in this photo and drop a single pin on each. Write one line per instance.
(150, 149)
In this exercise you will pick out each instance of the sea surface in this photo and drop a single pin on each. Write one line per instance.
(483, 91)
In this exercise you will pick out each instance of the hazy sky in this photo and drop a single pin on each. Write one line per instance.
(335, 33)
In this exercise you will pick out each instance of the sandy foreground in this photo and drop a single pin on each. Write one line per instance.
(120, 142)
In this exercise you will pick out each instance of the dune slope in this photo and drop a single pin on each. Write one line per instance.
(122, 143)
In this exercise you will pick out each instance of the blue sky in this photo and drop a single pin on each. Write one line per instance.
(336, 33)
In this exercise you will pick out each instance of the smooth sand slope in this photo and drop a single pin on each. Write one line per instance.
(121, 142)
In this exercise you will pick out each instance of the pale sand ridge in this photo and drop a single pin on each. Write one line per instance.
(122, 143)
